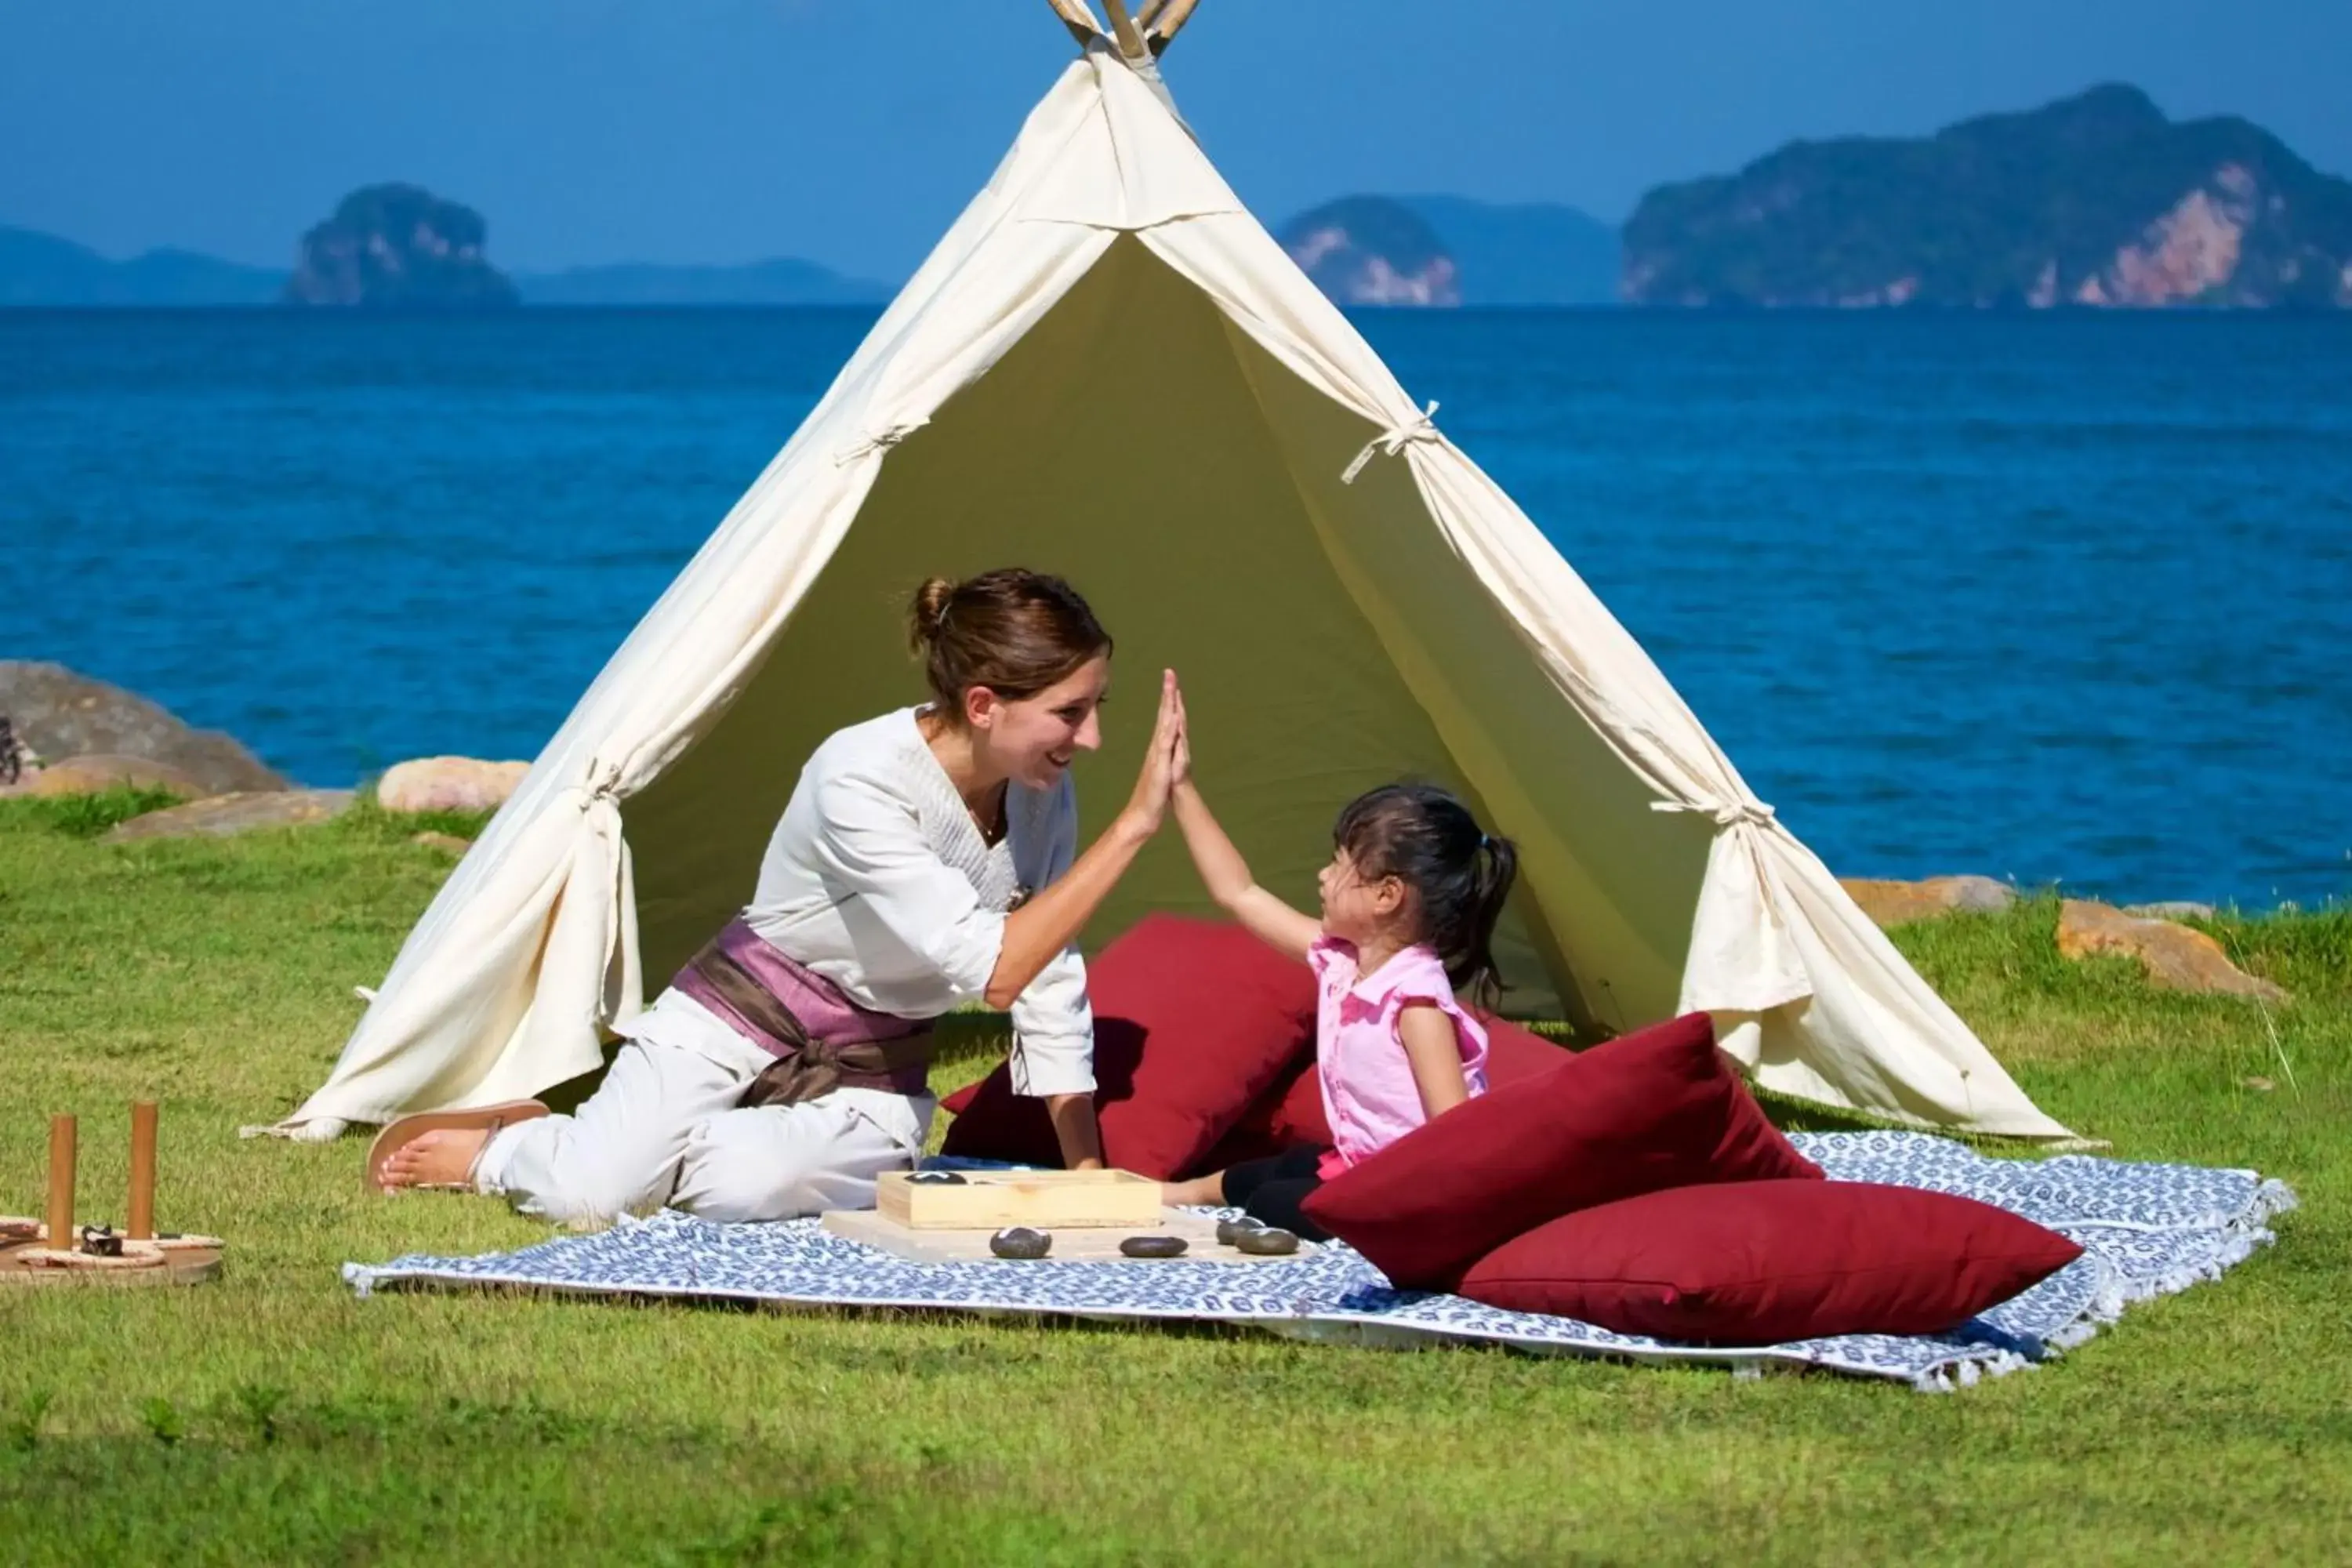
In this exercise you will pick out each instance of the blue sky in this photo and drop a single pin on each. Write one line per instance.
(851, 131)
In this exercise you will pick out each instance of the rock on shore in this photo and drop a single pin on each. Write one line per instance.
(1899, 903)
(91, 775)
(2174, 957)
(448, 784)
(225, 815)
(67, 717)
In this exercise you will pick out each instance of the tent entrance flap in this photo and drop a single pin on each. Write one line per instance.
(1120, 444)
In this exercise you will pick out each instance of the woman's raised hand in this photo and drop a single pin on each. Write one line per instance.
(1165, 760)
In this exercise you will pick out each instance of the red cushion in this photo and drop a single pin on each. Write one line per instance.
(1762, 1263)
(1658, 1108)
(1250, 1140)
(1193, 1022)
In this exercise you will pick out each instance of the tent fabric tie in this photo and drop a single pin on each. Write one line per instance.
(1727, 814)
(604, 785)
(874, 441)
(1420, 427)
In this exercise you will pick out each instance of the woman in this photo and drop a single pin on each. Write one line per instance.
(925, 861)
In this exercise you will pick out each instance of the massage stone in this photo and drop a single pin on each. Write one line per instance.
(939, 1179)
(1230, 1231)
(1153, 1246)
(1267, 1241)
(1021, 1241)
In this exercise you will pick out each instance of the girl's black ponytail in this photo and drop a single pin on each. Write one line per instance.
(1461, 877)
(1497, 870)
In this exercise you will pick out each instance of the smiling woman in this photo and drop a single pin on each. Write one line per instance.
(927, 858)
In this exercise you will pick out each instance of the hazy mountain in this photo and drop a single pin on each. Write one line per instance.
(2097, 199)
(1449, 250)
(1535, 253)
(41, 269)
(781, 281)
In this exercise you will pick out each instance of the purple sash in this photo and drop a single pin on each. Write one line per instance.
(821, 1039)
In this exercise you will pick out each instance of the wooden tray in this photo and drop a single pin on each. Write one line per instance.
(179, 1264)
(988, 1201)
(1092, 1244)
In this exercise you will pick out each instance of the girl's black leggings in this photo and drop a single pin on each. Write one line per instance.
(1273, 1190)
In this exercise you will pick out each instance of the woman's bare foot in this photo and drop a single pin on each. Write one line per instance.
(440, 1148)
(439, 1159)
(1200, 1192)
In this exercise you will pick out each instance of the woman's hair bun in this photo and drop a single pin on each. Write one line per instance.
(928, 612)
(1014, 631)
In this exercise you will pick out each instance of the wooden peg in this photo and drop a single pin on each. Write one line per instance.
(63, 1137)
(141, 1223)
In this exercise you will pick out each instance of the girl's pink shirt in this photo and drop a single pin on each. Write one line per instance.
(1369, 1092)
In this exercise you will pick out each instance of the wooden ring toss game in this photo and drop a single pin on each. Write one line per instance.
(53, 1251)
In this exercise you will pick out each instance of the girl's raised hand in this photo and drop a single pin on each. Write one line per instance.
(1182, 763)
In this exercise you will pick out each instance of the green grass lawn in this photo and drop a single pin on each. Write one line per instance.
(272, 1418)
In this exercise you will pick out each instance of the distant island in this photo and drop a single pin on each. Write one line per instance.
(399, 247)
(1372, 250)
(40, 269)
(1444, 251)
(2097, 200)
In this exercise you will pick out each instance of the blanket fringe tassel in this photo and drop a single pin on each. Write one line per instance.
(2247, 1233)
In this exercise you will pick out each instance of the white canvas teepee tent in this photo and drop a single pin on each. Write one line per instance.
(1108, 369)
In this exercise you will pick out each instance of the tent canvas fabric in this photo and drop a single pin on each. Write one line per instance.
(1108, 369)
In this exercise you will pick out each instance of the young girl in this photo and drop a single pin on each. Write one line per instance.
(1410, 901)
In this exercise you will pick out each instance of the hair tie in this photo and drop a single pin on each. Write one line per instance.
(1485, 842)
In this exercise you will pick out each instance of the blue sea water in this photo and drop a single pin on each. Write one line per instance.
(2059, 598)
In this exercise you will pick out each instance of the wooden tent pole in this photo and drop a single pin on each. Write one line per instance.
(1171, 20)
(1149, 14)
(1122, 25)
(62, 1139)
(1074, 15)
(141, 1223)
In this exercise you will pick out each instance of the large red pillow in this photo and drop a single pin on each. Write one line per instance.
(1658, 1108)
(1193, 1022)
(1762, 1263)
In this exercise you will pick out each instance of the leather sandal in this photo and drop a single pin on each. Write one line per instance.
(488, 1120)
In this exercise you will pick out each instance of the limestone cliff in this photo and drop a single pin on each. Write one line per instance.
(2097, 200)
(397, 248)
(1372, 250)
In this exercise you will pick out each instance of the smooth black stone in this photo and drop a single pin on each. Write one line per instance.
(1020, 1241)
(938, 1179)
(1230, 1231)
(1268, 1241)
(1153, 1246)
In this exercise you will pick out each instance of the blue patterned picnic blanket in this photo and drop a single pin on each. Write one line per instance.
(2146, 1229)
